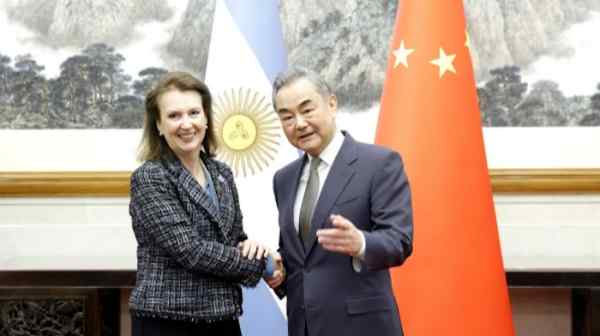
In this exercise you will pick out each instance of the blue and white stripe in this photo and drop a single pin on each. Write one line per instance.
(247, 51)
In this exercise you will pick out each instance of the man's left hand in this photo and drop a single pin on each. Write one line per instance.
(344, 237)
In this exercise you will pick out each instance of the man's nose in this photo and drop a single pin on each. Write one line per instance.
(300, 122)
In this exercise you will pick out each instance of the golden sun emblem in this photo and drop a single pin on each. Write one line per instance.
(247, 130)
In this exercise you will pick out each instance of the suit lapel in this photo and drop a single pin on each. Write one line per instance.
(340, 174)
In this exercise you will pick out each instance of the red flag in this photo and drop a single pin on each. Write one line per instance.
(454, 284)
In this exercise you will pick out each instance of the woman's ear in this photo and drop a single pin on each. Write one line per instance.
(158, 128)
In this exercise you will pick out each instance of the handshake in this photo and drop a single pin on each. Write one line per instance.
(274, 273)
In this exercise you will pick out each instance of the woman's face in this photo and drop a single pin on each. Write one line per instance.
(182, 122)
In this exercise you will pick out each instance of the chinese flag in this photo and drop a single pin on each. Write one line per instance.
(454, 283)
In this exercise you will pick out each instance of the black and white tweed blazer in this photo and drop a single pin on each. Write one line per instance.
(188, 265)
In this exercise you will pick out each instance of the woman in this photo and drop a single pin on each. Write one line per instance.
(193, 254)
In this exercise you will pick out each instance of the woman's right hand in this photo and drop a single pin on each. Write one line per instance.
(253, 250)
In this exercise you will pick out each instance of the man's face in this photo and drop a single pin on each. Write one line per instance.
(307, 118)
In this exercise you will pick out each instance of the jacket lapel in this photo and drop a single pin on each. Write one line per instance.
(339, 176)
(190, 191)
(226, 210)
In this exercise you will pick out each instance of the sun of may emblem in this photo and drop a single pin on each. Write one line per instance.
(247, 130)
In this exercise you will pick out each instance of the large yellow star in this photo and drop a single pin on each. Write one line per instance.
(444, 62)
(401, 55)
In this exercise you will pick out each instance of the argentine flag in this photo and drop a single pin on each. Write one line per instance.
(246, 53)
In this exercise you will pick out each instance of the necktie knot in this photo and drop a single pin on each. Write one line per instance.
(314, 165)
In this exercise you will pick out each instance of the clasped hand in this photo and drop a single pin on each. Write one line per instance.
(251, 249)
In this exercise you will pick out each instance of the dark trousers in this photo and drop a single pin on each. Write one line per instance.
(305, 328)
(143, 326)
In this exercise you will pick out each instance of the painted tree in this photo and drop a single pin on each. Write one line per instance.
(106, 75)
(576, 108)
(129, 109)
(500, 95)
(595, 102)
(29, 90)
(147, 78)
(544, 106)
(128, 112)
(6, 71)
(73, 92)
(592, 118)
(491, 115)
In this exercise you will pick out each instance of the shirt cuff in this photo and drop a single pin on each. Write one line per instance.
(270, 267)
(363, 247)
(357, 261)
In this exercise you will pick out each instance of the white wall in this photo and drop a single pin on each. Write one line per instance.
(536, 231)
(80, 228)
(549, 231)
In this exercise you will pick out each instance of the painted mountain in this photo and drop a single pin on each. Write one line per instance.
(88, 63)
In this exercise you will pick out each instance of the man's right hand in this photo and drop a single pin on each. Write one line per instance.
(279, 275)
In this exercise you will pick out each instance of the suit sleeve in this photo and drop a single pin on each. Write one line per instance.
(280, 291)
(158, 214)
(389, 242)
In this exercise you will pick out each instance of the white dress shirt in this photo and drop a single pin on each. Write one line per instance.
(327, 157)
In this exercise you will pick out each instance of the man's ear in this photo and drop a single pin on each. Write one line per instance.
(332, 103)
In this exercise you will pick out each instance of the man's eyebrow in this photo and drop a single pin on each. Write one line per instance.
(301, 105)
(305, 102)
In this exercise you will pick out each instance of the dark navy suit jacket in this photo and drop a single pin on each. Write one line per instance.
(368, 186)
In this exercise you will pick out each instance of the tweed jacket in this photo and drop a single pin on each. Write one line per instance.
(188, 265)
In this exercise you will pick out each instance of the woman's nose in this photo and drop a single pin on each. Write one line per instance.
(186, 121)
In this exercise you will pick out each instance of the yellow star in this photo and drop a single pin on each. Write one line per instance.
(401, 55)
(444, 62)
(468, 40)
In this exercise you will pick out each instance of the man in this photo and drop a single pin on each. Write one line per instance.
(344, 215)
